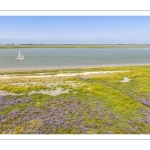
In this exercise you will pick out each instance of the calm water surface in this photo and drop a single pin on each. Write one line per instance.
(62, 58)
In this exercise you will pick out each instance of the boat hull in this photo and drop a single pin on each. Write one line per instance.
(19, 58)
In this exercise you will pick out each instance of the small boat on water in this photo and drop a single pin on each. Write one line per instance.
(20, 56)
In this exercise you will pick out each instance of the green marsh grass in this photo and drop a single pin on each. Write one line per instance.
(103, 103)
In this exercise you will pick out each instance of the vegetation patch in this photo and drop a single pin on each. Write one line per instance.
(84, 104)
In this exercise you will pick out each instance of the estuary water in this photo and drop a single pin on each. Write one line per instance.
(48, 58)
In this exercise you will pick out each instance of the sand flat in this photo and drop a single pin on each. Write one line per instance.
(58, 75)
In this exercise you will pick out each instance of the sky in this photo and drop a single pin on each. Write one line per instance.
(74, 29)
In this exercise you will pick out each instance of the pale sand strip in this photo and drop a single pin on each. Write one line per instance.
(53, 92)
(59, 75)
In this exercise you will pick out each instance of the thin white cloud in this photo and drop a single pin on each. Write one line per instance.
(143, 39)
(123, 39)
(136, 39)
(148, 39)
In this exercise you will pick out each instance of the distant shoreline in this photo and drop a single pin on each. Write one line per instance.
(12, 46)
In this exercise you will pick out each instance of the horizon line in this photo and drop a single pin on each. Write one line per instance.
(72, 44)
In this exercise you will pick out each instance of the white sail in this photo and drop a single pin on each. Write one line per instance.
(20, 56)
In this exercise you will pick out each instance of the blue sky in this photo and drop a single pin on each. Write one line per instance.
(75, 29)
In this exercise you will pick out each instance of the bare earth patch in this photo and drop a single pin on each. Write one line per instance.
(3, 93)
(125, 79)
(53, 93)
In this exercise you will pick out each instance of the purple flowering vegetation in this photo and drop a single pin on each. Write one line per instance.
(62, 115)
(146, 102)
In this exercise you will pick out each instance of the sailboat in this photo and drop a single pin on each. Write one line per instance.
(20, 56)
